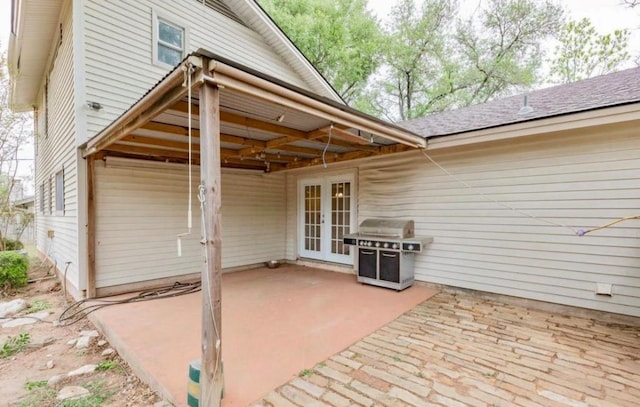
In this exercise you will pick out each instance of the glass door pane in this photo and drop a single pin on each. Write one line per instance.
(312, 217)
(340, 216)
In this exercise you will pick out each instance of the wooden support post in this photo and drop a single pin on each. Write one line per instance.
(211, 380)
(91, 228)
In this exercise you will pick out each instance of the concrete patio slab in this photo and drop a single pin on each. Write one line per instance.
(275, 324)
(460, 350)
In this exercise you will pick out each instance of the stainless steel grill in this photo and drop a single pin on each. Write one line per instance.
(385, 252)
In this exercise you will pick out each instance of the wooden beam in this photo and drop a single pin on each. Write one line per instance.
(149, 112)
(236, 162)
(211, 379)
(342, 143)
(149, 151)
(183, 131)
(301, 150)
(91, 228)
(157, 142)
(247, 122)
(333, 157)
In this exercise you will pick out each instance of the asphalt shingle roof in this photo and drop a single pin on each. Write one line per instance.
(603, 91)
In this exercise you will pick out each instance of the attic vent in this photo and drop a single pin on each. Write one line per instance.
(221, 8)
(525, 109)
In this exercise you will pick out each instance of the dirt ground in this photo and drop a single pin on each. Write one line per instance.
(24, 375)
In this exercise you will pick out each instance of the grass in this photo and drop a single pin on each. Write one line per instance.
(37, 306)
(14, 344)
(35, 384)
(305, 373)
(43, 396)
(99, 394)
(108, 365)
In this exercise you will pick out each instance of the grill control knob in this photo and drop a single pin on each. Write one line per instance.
(377, 244)
(386, 245)
(410, 247)
(369, 244)
(395, 246)
(361, 243)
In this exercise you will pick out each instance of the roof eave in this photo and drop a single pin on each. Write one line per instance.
(277, 33)
(622, 113)
(28, 48)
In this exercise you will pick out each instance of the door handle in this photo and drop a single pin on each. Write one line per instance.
(367, 252)
(393, 256)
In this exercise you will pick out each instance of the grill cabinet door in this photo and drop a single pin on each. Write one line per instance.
(390, 266)
(367, 260)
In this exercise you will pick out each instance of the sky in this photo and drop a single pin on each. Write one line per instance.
(606, 16)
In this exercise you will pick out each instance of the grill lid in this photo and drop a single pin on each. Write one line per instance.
(387, 227)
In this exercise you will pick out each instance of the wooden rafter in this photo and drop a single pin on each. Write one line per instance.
(352, 155)
(183, 131)
(289, 135)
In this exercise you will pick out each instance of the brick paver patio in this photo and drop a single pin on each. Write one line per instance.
(459, 350)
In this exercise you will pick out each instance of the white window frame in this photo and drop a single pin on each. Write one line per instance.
(59, 198)
(171, 20)
(41, 198)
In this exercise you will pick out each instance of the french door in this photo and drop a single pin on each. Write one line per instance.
(327, 213)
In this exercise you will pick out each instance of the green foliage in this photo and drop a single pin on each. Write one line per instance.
(107, 365)
(305, 373)
(341, 38)
(11, 244)
(436, 61)
(500, 51)
(583, 52)
(35, 385)
(37, 306)
(13, 269)
(15, 133)
(42, 396)
(14, 344)
(99, 395)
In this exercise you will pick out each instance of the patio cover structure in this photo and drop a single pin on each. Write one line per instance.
(236, 118)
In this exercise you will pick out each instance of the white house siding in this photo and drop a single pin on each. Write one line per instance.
(56, 151)
(141, 210)
(580, 180)
(118, 50)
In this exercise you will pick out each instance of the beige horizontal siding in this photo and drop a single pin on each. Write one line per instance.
(118, 50)
(55, 151)
(140, 212)
(577, 180)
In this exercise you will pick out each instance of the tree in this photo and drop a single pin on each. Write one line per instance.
(15, 132)
(414, 56)
(341, 38)
(583, 53)
(433, 63)
(500, 51)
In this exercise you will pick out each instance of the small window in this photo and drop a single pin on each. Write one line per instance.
(60, 192)
(169, 41)
(50, 195)
(41, 196)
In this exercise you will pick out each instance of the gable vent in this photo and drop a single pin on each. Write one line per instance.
(221, 8)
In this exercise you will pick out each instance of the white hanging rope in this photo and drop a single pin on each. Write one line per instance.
(488, 198)
(201, 198)
(188, 71)
(324, 162)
